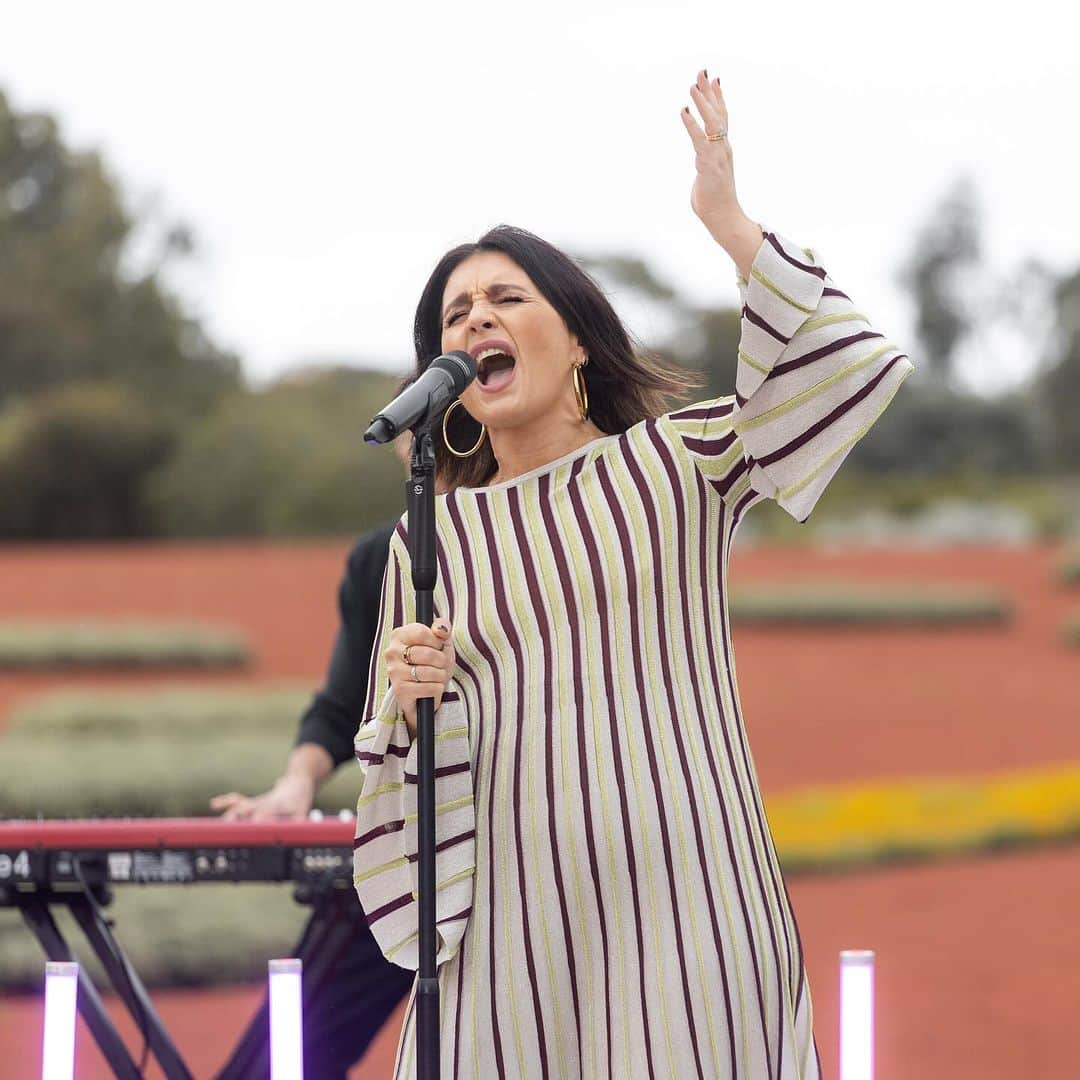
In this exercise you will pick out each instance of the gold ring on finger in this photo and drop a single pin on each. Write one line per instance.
(415, 677)
(717, 137)
(405, 654)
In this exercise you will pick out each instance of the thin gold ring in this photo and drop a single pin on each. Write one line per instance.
(405, 654)
(415, 677)
(717, 137)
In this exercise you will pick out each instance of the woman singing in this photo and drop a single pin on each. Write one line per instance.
(610, 902)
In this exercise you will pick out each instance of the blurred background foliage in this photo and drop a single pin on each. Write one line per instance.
(120, 418)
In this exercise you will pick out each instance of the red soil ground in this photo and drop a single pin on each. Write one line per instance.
(978, 960)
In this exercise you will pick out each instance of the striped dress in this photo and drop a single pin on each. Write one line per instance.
(610, 902)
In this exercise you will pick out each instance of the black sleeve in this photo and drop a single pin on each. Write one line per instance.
(336, 710)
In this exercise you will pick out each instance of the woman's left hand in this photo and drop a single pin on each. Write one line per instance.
(713, 196)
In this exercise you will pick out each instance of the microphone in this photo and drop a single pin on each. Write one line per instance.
(445, 378)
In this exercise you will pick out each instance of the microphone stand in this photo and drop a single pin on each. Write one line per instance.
(420, 507)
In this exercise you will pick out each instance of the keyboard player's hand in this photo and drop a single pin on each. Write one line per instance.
(288, 800)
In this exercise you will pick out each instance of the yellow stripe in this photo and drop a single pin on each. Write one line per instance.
(451, 733)
(828, 320)
(774, 288)
(381, 868)
(746, 359)
(445, 808)
(382, 789)
(846, 445)
(461, 875)
(813, 391)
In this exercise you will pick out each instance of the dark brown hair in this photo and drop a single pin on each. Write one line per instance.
(624, 383)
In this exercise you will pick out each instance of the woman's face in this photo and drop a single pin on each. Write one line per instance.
(489, 298)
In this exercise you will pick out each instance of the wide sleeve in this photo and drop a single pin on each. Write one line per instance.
(386, 844)
(812, 377)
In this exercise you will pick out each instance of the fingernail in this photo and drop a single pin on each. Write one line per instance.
(706, 70)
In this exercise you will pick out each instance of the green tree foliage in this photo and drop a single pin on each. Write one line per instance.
(705, 339)
(73, 461)
(100, 367)
(945, 250)
(287, 460)
(68, 309)
(1061, 383)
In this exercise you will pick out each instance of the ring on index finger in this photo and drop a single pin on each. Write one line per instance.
(717, 137)
(415, 677)
(405, 654)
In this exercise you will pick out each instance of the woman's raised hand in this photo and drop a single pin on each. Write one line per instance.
(419, 661)
(713, 196)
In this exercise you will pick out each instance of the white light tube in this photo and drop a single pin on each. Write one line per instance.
(58, 1042)
(857, 1014)
(286, 1023)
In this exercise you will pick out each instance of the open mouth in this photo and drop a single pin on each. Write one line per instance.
(495, 370)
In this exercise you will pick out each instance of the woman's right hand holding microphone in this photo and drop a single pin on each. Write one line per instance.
(419, 662)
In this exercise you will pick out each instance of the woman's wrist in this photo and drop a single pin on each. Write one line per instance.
(741, 239)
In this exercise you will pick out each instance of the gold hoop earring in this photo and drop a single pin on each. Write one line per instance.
(580, 391)
(446, 438)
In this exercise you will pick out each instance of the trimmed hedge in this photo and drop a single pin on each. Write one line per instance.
(173, 710)
(159, 776)
(1068, 568)
(820, 603)
(131, 644)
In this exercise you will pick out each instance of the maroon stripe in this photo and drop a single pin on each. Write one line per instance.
(443, 770)
(694, 588)
(817, 271)
(830, 291)
(718, 407)
(724, 484)
(578, 665)
(445, 845)
(655, 556)
(379, 830)
(710, 612)
(817, 354)
(751, 316)
(455, 918)
(830, 418)
(750, 820)
(506, 624)
(740, 400)
(710, 447)
(369, 758)
(532, 577)
(612, 710)
(389, 908)
(482, 646)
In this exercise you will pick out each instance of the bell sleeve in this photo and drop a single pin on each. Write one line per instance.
(386, 844)
(813, 376)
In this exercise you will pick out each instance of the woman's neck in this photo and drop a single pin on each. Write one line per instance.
(520, 450)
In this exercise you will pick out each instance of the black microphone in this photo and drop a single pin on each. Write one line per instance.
(444, 380)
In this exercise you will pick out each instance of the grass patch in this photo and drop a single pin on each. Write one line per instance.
(172, 710)
(113, 644)
(175, 935)
(828, 603)
(161, 776)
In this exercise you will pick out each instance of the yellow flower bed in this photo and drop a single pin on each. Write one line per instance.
(832, 826)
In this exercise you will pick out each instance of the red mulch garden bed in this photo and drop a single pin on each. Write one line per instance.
(978, 959)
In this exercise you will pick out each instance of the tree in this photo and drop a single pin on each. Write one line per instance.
(68, 308)
(100, 366)
(1061, 383)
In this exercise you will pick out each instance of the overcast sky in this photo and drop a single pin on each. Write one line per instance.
(326, 154)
